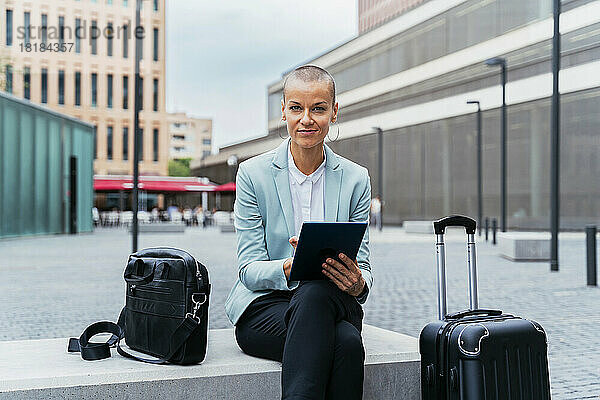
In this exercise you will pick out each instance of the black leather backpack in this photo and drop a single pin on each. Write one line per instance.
(165, 313)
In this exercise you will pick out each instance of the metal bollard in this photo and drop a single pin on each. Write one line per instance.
(590, 235)
(487, 226)
(494, 228)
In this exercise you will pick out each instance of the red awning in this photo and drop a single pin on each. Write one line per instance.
(226, 187)
(152, 184)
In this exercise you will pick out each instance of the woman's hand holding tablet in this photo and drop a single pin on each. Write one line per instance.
(328, 250)
(346, 275)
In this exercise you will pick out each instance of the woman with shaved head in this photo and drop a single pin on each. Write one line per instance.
(312, 327)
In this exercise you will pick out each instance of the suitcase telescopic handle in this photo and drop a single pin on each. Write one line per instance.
(440, 228)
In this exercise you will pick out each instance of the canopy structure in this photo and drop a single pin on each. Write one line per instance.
(226, 187)
(153, 183)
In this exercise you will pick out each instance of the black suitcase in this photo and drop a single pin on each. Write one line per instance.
(477, 353)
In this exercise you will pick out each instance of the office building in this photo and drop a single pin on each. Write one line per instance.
(412, 77)
(189, 137)
(77, 57)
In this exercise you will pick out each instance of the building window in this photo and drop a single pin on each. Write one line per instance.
(77, 88)
(155, 5)
(155, 95)
(94, 37)
(155, 144)
(109, 39)
(61, 31)
(94, 89)
(125, 41)
(125, 143)
(9, 78)
(141, 93)
(205, 153)
(206, 142)
(45, 28)
(109, 90)
(78, 35)
(141, 145)
(61, 87)
(27, 83)
(9, 27)
(155, 52)
(125, 92)
(27, 26)
(109, 2)
(44, 85)
(109, 142)
(125, 3)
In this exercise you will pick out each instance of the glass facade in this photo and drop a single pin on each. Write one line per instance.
(430, 169)
(456, 29)
(35, 150)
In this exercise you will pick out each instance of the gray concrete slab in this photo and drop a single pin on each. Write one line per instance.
(524, 246)
(42, 369)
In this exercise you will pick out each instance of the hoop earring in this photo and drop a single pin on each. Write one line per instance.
(338, 133)
(279, 133)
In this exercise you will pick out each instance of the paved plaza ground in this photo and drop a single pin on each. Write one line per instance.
(54, 286)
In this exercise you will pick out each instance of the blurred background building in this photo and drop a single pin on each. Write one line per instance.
(189, 137)
(412, 76)
(92, 76)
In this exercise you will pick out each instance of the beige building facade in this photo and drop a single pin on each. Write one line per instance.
(189, 137)
(77, 57)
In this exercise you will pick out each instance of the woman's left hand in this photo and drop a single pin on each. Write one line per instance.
(346, 275)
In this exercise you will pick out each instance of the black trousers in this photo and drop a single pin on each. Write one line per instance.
(314, 331)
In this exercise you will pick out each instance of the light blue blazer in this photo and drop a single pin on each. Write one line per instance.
(264, 221)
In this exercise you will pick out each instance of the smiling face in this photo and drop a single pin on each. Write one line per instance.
(308, 110)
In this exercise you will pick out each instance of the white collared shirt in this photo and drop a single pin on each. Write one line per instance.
(308, 193)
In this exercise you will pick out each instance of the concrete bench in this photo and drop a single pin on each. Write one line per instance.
(524, 246)
(418, 226)
(42, 369)
(161, 227)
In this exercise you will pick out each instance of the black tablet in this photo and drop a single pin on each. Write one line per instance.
(320, 240)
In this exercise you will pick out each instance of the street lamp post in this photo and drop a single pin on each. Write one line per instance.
(479, 167)
(138, 34)
(380, 172)
(502, 63)
(555, 160)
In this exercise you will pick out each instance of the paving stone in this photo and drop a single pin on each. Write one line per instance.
(54, 286)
